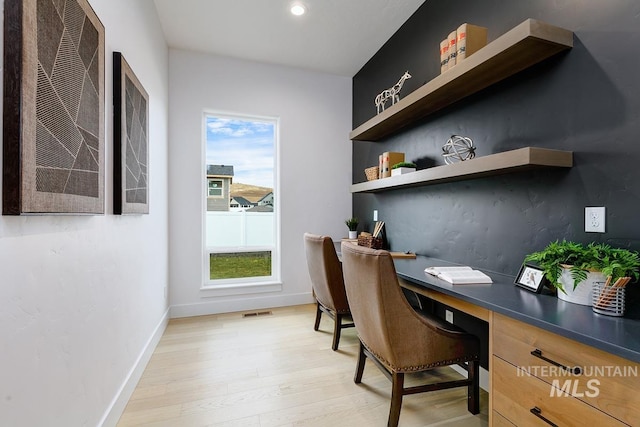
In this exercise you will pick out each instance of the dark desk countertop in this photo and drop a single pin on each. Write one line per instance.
(615, 335)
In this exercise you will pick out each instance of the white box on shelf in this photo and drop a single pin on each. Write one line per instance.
(401, 171)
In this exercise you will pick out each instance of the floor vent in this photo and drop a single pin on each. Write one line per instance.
(257, 313)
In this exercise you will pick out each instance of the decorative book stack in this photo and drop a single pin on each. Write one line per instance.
(460, 44)
(451, 40)
(444, 55)
(470, 39)
(460, 275)
(389, 158)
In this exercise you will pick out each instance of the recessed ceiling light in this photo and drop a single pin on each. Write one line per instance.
(298, 9)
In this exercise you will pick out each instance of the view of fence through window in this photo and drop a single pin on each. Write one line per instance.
(240, 224)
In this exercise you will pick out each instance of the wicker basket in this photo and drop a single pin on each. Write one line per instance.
(370, 242)
(372, 173)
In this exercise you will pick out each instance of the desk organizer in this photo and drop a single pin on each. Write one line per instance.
(370, 242)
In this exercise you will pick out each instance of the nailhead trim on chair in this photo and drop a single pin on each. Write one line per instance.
(335, 311)
(420, 367)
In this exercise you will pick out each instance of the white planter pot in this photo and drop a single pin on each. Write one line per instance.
(583, 293)
(353, 234)
(401, 171)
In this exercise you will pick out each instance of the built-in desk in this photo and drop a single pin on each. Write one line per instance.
(573, 335)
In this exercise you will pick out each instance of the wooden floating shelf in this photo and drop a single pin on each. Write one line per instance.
(493, 164)
(525, 45)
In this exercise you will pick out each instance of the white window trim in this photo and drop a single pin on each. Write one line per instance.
(239, 289)
(249, 285)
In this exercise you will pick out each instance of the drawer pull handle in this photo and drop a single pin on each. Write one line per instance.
(538, 413)
(538, 353)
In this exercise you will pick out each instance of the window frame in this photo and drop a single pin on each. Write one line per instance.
(209, 180)
(247, 285)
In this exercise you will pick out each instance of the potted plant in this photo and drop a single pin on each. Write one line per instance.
(402, 168)
(568, 264)
(352, 224)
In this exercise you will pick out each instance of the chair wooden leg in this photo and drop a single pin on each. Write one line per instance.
(473, 391)
(397, 388)
(337, 327)
(318, 316)
(360, 365)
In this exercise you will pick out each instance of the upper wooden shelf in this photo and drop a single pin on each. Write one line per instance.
(525, 45)
(493, 164)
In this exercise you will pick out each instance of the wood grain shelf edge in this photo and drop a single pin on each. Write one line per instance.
(490, 165)
(530, 42)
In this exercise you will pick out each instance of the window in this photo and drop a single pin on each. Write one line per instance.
(215, 188)
(241, 238)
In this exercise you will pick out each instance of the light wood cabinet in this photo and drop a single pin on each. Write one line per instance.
(569, 382)
(517, 397)
(500, 421)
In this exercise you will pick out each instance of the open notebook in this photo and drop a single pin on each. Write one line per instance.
(459, 275)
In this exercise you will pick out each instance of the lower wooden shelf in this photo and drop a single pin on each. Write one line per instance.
(494, 164)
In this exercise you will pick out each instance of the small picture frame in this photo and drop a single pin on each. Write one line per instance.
(531, 277)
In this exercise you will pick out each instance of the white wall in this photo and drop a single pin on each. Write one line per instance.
(81, 296)
(315, 166)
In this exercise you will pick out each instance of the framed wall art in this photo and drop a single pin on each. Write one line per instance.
(131, 140)
(53, 117)
(531, 277)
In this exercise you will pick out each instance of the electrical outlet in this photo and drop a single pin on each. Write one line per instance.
(594, 219)
(448, 316)
(375, 214)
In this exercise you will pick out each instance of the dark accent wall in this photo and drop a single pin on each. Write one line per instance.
(586, 100)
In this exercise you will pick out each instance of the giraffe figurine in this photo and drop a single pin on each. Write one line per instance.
(393, 92)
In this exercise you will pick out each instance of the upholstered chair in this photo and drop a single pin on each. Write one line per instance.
(325, 271)
(397, 338)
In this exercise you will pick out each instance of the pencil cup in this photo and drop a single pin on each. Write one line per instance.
(608, 300)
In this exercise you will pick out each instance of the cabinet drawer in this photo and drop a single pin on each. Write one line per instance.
(514, 397)
(500, 421)
(608, 382)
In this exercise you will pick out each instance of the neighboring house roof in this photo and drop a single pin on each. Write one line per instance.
(265, 196)
(219, 170)
(263, 208)
(242, 201)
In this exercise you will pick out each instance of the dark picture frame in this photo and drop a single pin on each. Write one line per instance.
(531, 277)
(131, 140)
(53, 108)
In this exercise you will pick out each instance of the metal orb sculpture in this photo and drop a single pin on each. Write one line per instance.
(458, 149)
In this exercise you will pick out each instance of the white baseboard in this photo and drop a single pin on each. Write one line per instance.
(119, 402)
(484, 376)
(240, 304)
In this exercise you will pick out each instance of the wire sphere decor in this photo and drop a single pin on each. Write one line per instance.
(458, 149)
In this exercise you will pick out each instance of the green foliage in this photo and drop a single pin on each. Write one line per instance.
(580, 259)
(237, 265)
(403, 165)
(352, 223)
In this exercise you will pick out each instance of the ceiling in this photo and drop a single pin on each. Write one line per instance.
(334, 36)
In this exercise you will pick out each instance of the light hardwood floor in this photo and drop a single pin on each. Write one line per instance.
(275, 370)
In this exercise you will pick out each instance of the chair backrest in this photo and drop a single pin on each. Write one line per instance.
(386, 323)
(325, 271)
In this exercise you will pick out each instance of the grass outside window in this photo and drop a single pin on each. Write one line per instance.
(240, 264)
